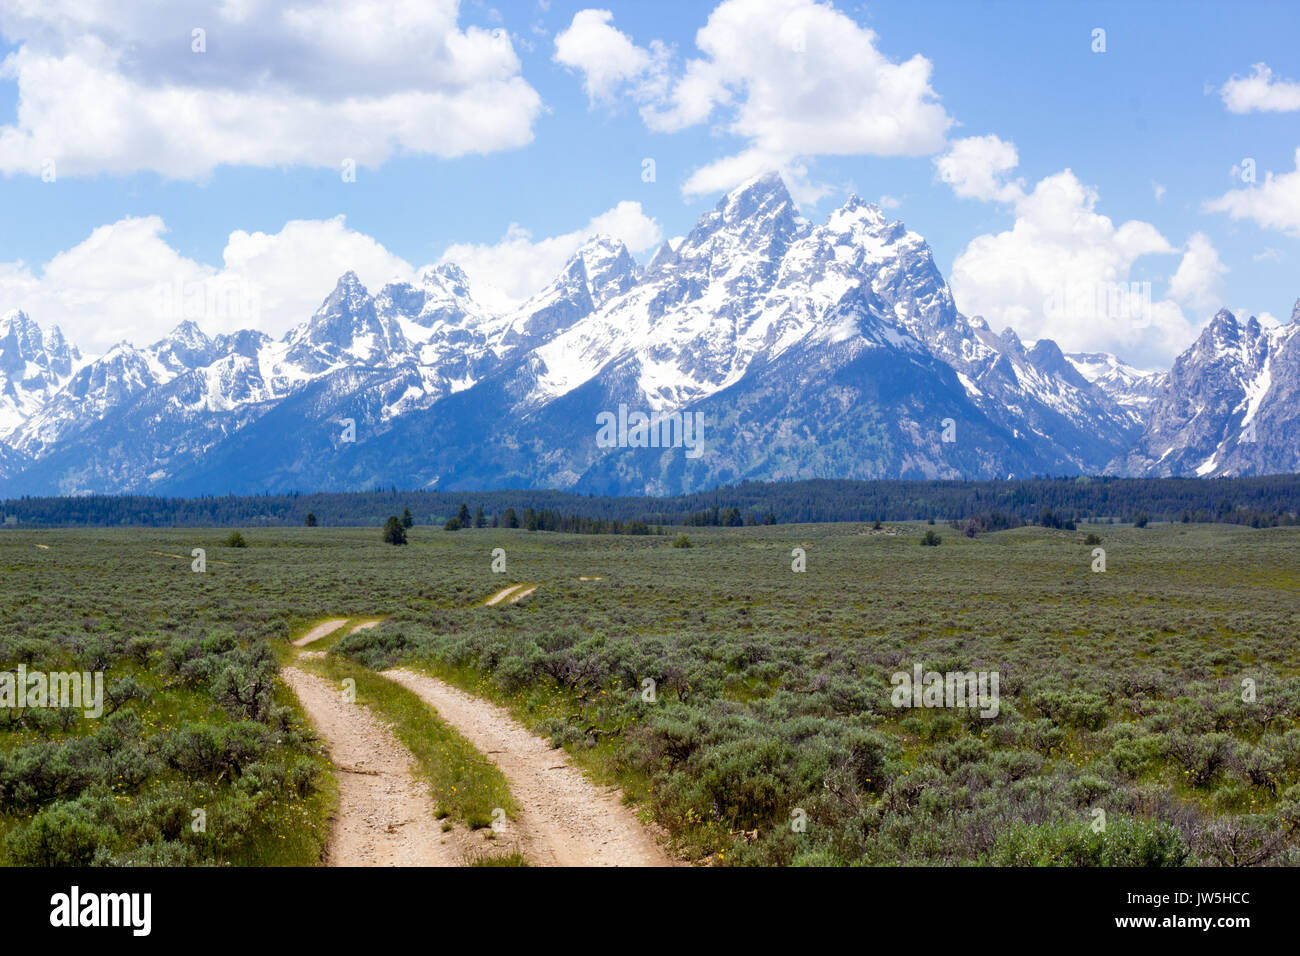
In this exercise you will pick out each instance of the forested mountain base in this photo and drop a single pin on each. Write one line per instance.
(1261, 501)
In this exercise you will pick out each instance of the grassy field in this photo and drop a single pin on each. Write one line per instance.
(1122, 735)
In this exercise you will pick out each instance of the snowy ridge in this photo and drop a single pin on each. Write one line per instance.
(831, 349)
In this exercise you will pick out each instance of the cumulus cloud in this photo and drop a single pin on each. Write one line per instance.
(793, 79)
(1065, 271)
(1261, 91)
(1272, 204)
(121, 86)
(606, 57)
(1198, 281)
(975, 168)
(124, 282)
(505, 273)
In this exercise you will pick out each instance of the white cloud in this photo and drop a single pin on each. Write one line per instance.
(116, 87)
(292, 271)
(1260, 92)
(975, 168)
(124, 282)
(1064, 271)
(1158, 190)
(1198, 281)
(505, 273)
(1272, 204)
(793, 79)
(606, 57)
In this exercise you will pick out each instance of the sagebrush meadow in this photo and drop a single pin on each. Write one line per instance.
(1148, 715)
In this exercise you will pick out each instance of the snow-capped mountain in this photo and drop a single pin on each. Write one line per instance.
(795, 349)
(34, 365)
(1131, 388)
(1229, 406)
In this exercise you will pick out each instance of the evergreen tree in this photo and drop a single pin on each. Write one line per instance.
(463, 515)
(480, 519)
(310, 521)
(407, 520)
(394, 533)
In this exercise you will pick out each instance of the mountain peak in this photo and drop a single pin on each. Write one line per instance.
(18, 323)
(757, 220)
(347, 312)
(1223, 319)
(348, 295)
(601, 241)
(1223, 331)
(1295, 313)
(444, 273)
(763, 194)
(602, 252)
(855, 203)
(189, 333)
(605, 265)
(768, 181)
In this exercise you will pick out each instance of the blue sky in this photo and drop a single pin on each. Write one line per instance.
(1145, 130)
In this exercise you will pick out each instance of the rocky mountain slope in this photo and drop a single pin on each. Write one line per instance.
(764, 346)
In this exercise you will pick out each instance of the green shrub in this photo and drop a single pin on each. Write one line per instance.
(1132, 757)
(1202, 755)
(1073, 708)
(62, 834)
(1123, 842)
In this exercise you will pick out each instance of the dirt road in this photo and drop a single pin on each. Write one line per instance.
(320, 630)
(501, 595)
(564, 819)
(385, 814)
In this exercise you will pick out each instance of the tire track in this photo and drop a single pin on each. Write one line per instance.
(565, 819)
(385, 813)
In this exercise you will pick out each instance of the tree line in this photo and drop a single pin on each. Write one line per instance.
(1264, 501)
